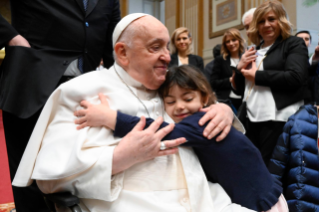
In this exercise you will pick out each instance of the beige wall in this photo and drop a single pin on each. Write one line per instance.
(170, 15)
(290, 6)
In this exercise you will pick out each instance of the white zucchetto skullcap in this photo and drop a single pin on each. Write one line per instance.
(124, 22)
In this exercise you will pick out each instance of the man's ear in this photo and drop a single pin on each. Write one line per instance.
(120, 50)
(205, 101)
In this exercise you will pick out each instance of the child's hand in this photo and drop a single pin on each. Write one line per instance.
(96, 115)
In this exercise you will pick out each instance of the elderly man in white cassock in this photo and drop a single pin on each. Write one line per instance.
(130, 173)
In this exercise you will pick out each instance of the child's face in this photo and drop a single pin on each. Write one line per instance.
(180, 103)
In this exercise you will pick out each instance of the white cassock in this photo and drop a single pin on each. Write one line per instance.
(62, 158)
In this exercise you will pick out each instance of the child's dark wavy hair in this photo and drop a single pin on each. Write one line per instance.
(188, 77)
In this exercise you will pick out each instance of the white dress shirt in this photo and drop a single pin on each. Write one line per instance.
(72, 69)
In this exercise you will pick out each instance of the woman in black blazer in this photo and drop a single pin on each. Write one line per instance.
(232, 49)
(272, 78)
(182, 48)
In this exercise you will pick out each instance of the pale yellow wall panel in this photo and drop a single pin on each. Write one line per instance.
(290, 6)
(190, 20)
(170, 24)
(170, 15)
(170, 8)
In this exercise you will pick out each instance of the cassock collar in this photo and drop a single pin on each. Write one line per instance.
(130, 81)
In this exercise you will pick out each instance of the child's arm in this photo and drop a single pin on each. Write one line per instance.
(122, 124)
(96, 115)
(187, 128)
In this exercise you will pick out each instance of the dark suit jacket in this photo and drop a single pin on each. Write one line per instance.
(193, 60)
(208, 70)
(313, 84)
(219, 78)
(58, 32)
(285, 72)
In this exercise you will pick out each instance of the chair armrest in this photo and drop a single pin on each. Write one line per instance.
(65, 199)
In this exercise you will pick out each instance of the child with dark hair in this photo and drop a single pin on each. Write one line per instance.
(235, 163)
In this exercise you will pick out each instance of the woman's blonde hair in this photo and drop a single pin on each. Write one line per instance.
(175, 34)
(235, 34)
(280, 12)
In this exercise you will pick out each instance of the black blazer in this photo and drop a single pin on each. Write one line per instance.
(193, 60)
(219, 78)
(285, 72)
(208, 69)
(58, 32)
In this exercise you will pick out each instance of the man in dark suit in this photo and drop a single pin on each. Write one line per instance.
(209, 67)
(67, 38)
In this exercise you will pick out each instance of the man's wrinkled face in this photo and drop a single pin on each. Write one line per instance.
(247, 22)
(149, 54)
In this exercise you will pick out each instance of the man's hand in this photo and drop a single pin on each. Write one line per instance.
(19, 41)
(142, 145)
(248, 57)
(220, 117)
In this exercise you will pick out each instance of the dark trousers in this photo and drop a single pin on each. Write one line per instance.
(17, 133)
(236, 102)
(264, 135)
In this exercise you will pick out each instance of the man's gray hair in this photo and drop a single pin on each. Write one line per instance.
(247, 13)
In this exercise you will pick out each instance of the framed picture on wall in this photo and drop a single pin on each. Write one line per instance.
(224, 14)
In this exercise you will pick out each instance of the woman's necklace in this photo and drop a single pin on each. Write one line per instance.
(136, 95)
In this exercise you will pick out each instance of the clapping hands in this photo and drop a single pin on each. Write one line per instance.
(248, 57)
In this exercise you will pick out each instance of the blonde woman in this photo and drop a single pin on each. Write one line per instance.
(182, 50)
(273, 77)
(231, 51)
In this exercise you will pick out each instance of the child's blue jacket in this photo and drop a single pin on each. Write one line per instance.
(295, 160)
